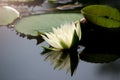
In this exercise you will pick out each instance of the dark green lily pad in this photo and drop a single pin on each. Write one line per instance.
(44, 23)
(8, 15)
(102, 15)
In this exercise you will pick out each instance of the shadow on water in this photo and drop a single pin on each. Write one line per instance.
(29, 37)
(112, 70)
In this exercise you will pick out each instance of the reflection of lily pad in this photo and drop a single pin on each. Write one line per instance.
(102, 15)
(7, 15)
(44, 23)
(99, 57)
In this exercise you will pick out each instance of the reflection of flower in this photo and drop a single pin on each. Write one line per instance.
(64, 37)
(58, 59)
(63, 59)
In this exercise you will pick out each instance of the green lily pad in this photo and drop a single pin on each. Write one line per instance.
(102, 15)
(8, 15)
(44, 22)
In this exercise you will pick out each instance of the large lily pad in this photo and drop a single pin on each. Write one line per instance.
(44, 23)
(8, 15)
(102, 15)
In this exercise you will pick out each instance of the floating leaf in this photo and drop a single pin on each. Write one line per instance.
(8, 15)
(44, 23)
(102, 15)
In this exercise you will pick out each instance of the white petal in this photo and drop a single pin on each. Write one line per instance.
(64, 34)
(52, 41)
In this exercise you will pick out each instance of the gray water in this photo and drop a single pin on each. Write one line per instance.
(20, 59)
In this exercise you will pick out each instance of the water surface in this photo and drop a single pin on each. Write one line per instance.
(20, 59)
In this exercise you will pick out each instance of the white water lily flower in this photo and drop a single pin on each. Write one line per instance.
(65, 36)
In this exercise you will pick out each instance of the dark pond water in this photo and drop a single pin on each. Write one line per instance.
(21, 59)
